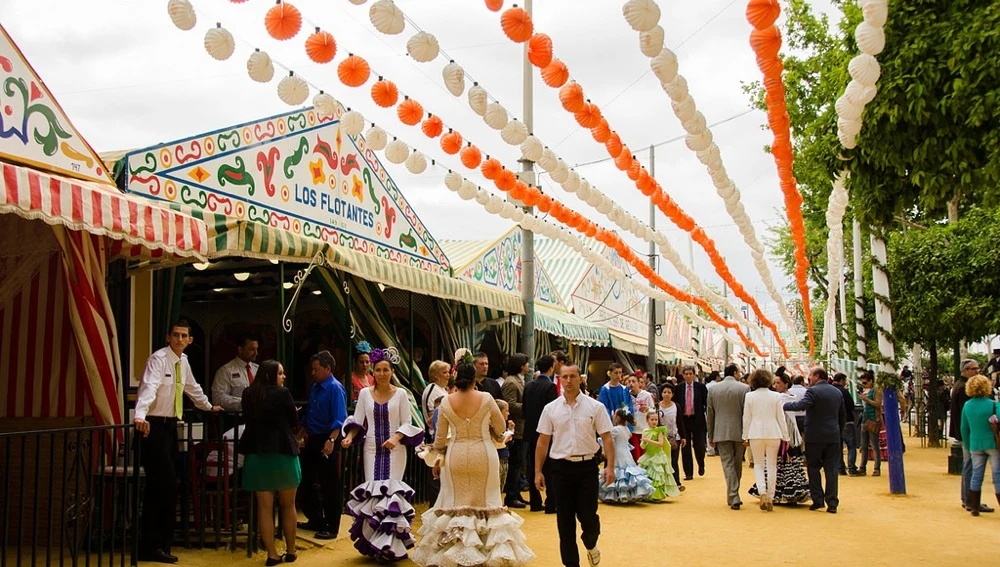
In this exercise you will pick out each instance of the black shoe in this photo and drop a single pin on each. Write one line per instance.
(324, 534)
(515, 503)
(272, 562)
(534, 508)
(158, 556)
(172, 556)
(816, 506)
(985, 508)
(842, 472)
(550, 510)
(855, 473)
(736, 506)
(701, 471)
(311, 526)
(831, 510)
(688, 477)
(290, 557)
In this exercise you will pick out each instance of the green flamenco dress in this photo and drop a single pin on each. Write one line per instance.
(656, 462)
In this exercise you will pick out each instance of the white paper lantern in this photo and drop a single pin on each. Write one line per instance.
(514, 133)
(423, 47)
(860, 94)
(325, 104)
(416, 163)
(642, 15)
(847, 141)
(651, 42)
(560, 174)
(482, 196)
(293, 90)
(572, 182)
(453, 181)
(352, 122)
(397, 151)
(494, 205)
(531, 149)
(468, 190)
(182, 14)
(864, 69)
(876, 12)
(604, 207)
(664, 66)
(850, 127)
(676, 89)
(517, 214)
(696, 124)
(377, 140)
(548, 161)
(259, 67)
(848, 109)
(454, 78)
(219, 43)
(584, 191)
(699, 142)
(508, 210)
(357, 2)
(615, 215)
(496, 116)
(528, 223)
(684, 108)
(871, 40)
(478, 99)
(386, 17)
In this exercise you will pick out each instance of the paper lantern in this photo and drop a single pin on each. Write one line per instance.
(549, 160)
(471, 156)
(321, 47)
(846, 108)
(531, 148)
(540, 50)
(325, 104)
(763, 13)
(516, 24)
(766, 42)
(385, 93)
(642, 15)
(494, 205)
(352, 122)
(676, 89)
(259, 67)
(684, 108)
(377, 139)
(182, 14)
(584, 191)
(852, 127)
(560, 174)
(651, 42)
(695, 124)
(451, 142)
(468, 190)
(697, 143)
(432, 126)
(293, 90)
(875, 12)
(858, 93)
(871, 40)
(601, 132)
(283, 21)
(353, 71)
(491, 169)
(386, 17)
(555, 74)
(589, 117)
(478, 99)
(505, 180)
(219, 43)
(864, 69)
(416, 163)
(494, 5)
(453, 181)
(770, 66)
(849, 142)
(624, 159)
(454, 78)
(409, 111)
(664, 66)
(571, 97)
(496, 116)
(423, 47)
(613, 145)
(514, 132)
(397, 151)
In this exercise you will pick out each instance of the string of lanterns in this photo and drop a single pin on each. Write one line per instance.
(765, 40)
(644, 17)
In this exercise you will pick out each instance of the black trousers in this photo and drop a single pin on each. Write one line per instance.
(159, 501)
(695, 434)
(320, 492)
(823, 457)
(675, 455)
(512, 489)
(576, 500)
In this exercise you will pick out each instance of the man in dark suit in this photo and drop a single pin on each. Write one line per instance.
(691, 398)
(825, 420)
(537, 394)
(483, 382)
(850, 433)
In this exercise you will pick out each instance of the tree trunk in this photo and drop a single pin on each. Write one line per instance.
(934, 409)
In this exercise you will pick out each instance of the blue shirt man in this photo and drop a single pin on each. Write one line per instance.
(327, 409)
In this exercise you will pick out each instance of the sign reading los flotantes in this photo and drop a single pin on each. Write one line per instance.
(298, 172)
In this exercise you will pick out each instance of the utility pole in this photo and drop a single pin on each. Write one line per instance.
(527, 175)
(651, 352)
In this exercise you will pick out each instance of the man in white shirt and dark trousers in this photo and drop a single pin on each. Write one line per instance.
(158, 408)
(236, 375)
(571, 425)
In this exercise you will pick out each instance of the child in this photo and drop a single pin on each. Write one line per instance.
(656, 460)
(631, 483)
(502, 451)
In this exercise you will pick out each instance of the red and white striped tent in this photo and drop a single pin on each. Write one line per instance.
(58, 340)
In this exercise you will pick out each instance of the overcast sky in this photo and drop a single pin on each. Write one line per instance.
(128, 78)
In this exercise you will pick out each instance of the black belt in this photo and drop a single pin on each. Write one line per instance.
(159, 419)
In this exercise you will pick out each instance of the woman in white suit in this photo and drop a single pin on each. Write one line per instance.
(764, 429)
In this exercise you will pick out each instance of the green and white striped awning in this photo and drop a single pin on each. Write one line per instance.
(637, 345)
(569, 326)
(565, 266)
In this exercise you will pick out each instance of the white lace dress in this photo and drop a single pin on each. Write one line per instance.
(469, 525)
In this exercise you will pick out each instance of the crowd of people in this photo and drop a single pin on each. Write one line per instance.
(487, 441)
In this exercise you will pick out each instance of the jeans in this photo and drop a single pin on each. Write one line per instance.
(849, 438)
(866, 440)
(979, 459)
(966, 472)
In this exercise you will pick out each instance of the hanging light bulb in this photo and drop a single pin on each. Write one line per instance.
(288, 285)
(201, 266)
(242, 276)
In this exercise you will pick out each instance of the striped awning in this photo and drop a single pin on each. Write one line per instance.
(569, 326)
(637, 345)
(565, 266)
(151, 230)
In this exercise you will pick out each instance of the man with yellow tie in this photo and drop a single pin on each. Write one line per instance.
(158, 408)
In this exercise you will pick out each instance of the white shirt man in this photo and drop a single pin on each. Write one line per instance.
(156, 392)
(234, 377)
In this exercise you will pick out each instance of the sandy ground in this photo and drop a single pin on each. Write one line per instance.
(872, 528)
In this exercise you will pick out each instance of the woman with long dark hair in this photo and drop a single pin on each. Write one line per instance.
(272, 461)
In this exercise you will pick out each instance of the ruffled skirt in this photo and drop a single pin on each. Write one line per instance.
(792, 485)
(631, 485)
(467, 537)
(382, 517)
(661, 474)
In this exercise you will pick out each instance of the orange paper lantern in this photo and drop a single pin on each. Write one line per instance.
(432, 126)
(634, 170)
(451, 142)
(555, 74)
(353, 71)
(770, 66)
(385, 93)
(763, 13)
(471, 157)
(409, 111)
(540, 50)
(624, 159)
(613, 145)
(283, 21)
(591, 230)
(506, 180)
(518, 191)
(494, 5)
(321, 47)
(601, 132)
(516, 24)
(589, 116)
(531, 197)
(491, 168)
(766, 43)
(571, 97)
(544, 204)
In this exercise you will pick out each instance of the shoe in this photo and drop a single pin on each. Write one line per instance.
(172, 557)
(831, 510)
(311, 526)
(972, 498)
(701, 471)
(272, 562)
(290, 557)
(325, 535)
(689, 477)
(855, 473)
(736, 506)
(157, 556)
(842, 472)
(593, 556)
(763, 502)
(876, 472)
(550, 510)
(816, 506)
(770, 504)
(985, 508)
(681, 487)
(534, 508)
(517, 503)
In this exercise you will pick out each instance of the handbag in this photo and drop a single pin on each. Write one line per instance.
(996, 428)
(871, 426)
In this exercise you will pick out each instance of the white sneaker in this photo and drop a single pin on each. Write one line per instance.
(594, 556)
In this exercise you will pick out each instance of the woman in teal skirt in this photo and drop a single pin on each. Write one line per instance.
(272, 455)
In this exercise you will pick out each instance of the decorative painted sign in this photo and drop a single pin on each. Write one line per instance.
(34, 130)
(298, 172)
(499, 266)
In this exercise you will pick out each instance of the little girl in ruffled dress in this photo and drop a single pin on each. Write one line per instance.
(656, 460)
(631, 483)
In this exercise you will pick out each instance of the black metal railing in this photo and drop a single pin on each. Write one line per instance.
(69, 496)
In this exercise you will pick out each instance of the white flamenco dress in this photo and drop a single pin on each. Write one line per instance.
(469, 525)
(381, 506)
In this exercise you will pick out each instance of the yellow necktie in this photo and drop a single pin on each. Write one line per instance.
(178, 391)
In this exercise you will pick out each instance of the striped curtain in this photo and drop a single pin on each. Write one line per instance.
(168, 288)
(624, 359)
(580, 355)
(447, 331)
(543, 343)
